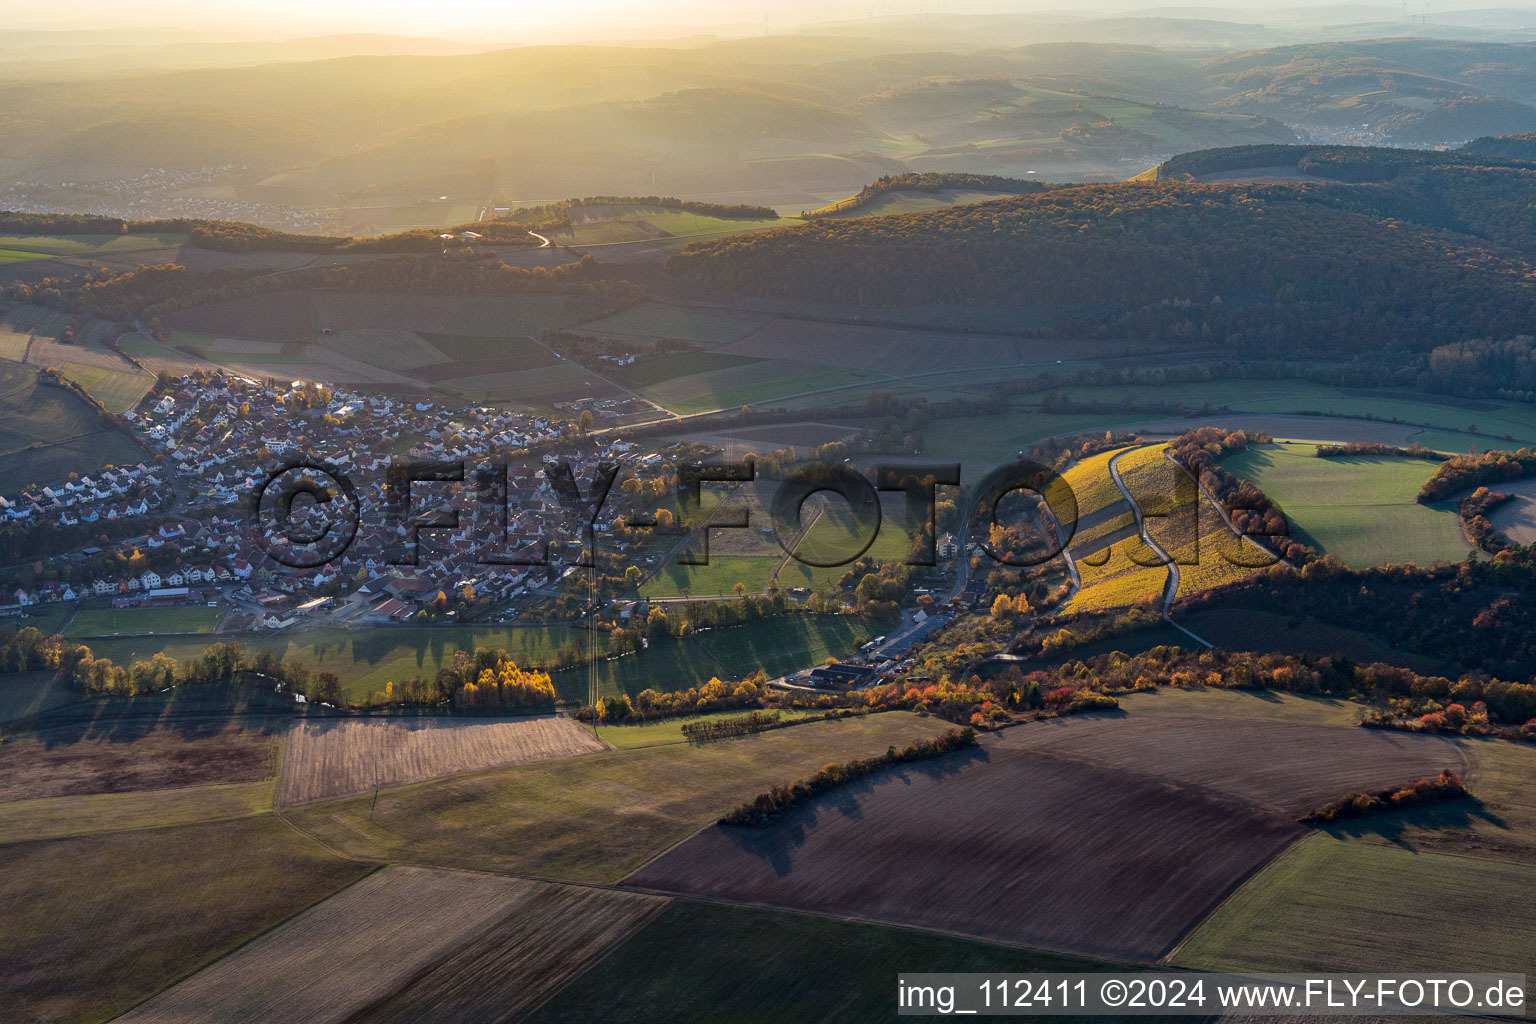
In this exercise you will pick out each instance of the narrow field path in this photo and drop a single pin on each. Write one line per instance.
(1171, 587)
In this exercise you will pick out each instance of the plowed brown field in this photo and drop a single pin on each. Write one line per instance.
(1109, 836)
(331, 758)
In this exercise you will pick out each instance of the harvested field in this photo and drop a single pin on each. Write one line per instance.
(23, 694)
(48, 432)
(68, 760)
(390, 348)
(511, 315)
(713, 961)
(593, 818)
(1301, 765)
(94, 924)
(351, 951)
(832, 344)
(280, 316)
(1036, 837)
(116, 390)
(543, 385)
(343, 757)
(701, 324)
(485, 367)
(241, 346)
(47, 352)
(355, 310)
(554, 934)
(330, 364)
(58, 816)
(1026, 850)
(1517, 519)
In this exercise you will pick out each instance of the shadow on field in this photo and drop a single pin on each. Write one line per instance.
(1453, 816)
(777, 842)
(191, 712)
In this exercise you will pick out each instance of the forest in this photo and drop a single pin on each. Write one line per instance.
(1264, 268)
(1473, 616)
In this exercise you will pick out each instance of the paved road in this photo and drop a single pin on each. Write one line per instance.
(1171, 587)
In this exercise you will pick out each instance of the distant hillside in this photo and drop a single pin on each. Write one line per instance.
(1403, 90)
(1512, 147)
(1263, 267)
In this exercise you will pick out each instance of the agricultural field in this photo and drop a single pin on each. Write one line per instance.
(78, 758)
(1091, 483)
(95, 924)
(1260, 405)
(1119, 569)
(1260, 705)
(88, 245)
(388, 348)
(776, 646)
(702, 325)
(117, 390)
(1501, 826)
(749, 384)
(597, 817)
(46, 433)
(328, 758)
(24, 694)
(279, 316)
(56, 817)
(665, 230)
(392, 929)
(1305, 763)
(698, 961)
(554, 934)
(1360, 509)
(92, 622)
(917, 202)
(1516, 519)
(366, 659)
(14, 256)
(1342, 905)
(1222, 817)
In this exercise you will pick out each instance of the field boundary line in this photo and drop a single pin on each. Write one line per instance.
(141, 828)
(1229, 895)
(235, 949)
(634, 929)
(328, 848)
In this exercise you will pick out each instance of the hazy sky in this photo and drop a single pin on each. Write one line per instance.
(498, 18)
(507, 20)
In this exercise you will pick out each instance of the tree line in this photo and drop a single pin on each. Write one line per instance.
(1463, 472)
(1448, 785)
(1476, 616)
(761, 810)
(1199, 452)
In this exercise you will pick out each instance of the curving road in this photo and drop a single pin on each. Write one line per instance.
(1171, 587)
